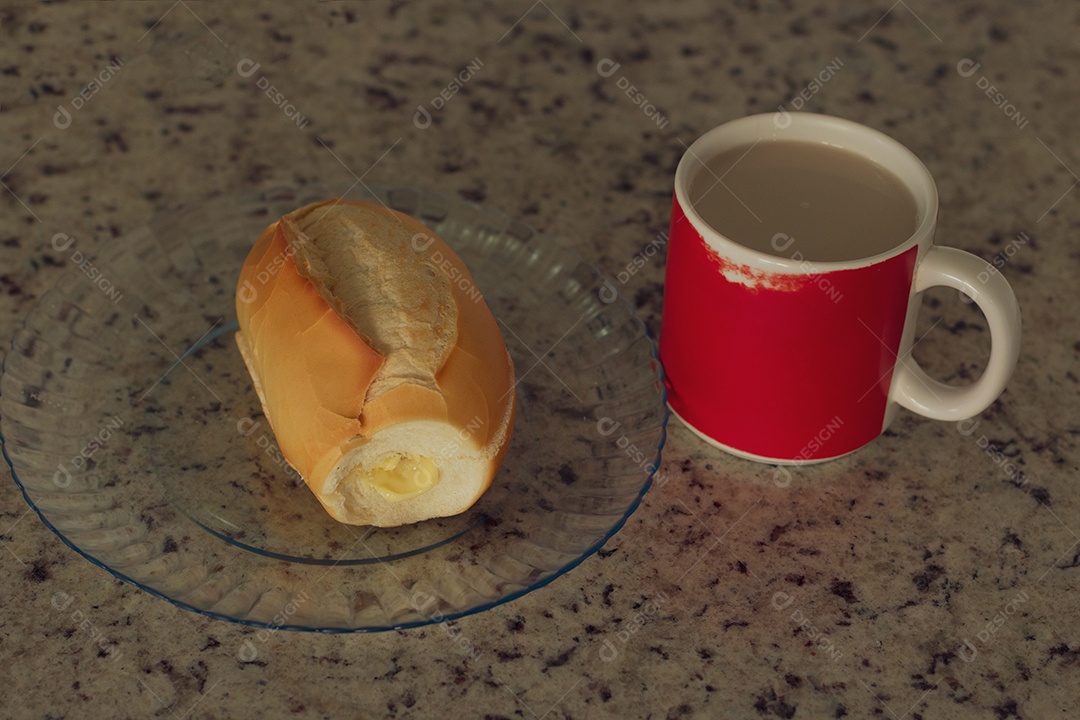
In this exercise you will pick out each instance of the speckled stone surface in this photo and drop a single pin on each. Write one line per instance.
(933, 574)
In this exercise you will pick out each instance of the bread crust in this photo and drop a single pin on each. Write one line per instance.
(355, 321)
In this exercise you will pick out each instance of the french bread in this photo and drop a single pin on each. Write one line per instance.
(379, 366)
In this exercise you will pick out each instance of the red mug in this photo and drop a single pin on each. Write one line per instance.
(779, 360)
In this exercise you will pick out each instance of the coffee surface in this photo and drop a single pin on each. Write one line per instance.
(803, 200)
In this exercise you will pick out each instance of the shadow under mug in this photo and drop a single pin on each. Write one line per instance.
(779, 360)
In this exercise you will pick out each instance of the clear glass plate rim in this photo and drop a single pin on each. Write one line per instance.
(510, 597)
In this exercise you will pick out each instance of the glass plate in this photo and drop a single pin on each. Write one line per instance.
(131, 425)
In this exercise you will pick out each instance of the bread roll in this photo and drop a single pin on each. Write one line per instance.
(378, 364)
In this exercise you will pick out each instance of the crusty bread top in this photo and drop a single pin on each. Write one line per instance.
(365, 264)
(296, 345)
(319, 337)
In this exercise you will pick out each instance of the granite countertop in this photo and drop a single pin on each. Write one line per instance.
(933, 574)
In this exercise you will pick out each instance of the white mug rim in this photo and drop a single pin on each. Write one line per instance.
(862, 140)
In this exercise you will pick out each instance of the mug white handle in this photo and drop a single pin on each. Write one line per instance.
(920, 393)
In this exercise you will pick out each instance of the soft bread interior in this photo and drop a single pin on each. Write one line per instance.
(366, 339)
(466, 468)
(465, 472)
